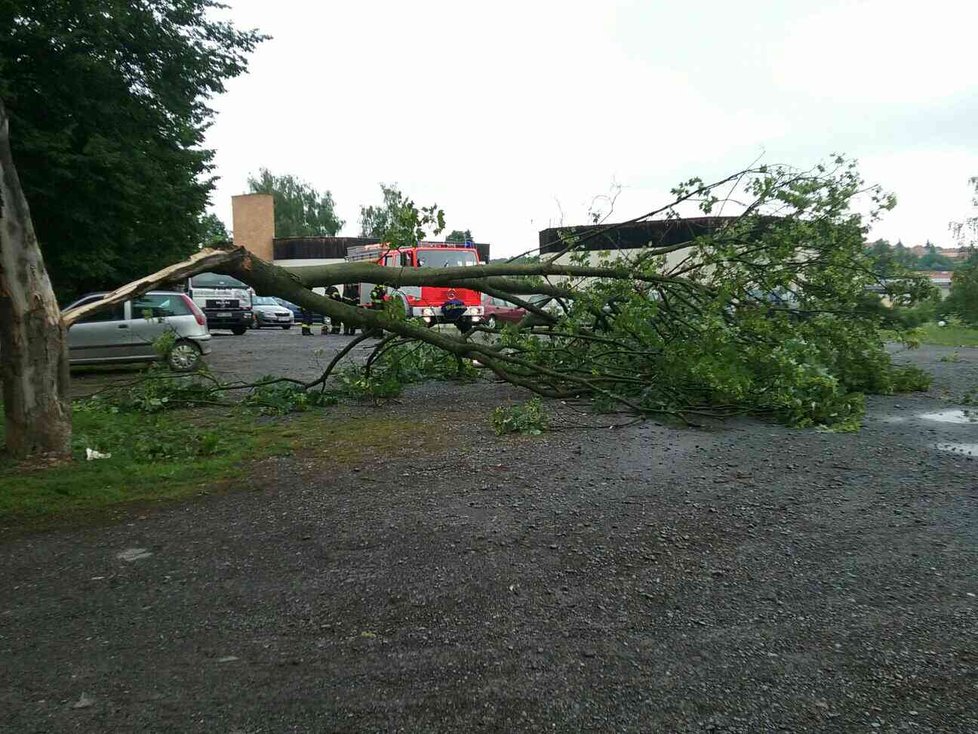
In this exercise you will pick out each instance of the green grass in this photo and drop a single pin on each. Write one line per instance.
(948, 336)
(172, 454)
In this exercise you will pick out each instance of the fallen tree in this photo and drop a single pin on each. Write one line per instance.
(764, 314)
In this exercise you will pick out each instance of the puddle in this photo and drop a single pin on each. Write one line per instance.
(962, 449)
(951, 416)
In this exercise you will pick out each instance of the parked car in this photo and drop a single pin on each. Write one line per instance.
(127, 332)
(499, 311)
(269, 312)
(317, 318)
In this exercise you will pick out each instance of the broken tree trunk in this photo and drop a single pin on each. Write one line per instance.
(200, 262)
(33, 348)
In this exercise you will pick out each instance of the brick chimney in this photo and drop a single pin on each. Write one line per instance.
(253, 223)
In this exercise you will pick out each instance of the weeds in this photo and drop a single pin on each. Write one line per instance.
(528, 418)
(282, 398)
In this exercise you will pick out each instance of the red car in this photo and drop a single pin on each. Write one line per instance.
(498, 311)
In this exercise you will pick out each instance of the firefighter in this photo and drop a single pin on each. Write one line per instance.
(306, 315)
(377, 296)
(351, 297)
(335, 324)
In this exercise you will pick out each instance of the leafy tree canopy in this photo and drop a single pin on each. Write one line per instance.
(963, 298)
(300, 210)
(213, 231)
(887, 258)
(460, 236)
(108, 102)
(398, 220)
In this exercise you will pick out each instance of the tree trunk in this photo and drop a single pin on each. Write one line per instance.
(33, 348)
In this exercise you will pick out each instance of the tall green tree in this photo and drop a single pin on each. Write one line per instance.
(213, 231)
(398, 220)
(108, 104)
(300, 210)
(460, 236)
(963, 298)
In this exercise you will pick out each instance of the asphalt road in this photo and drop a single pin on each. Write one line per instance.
(743, 578)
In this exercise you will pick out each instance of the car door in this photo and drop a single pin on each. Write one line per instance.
(100, 336)
(507, 311)
(148, 316)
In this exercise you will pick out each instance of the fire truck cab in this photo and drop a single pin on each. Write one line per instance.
(434, 304)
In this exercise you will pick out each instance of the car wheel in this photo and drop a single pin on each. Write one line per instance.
(287, 327)
(238, 330)
(491, 322)
(184, 357)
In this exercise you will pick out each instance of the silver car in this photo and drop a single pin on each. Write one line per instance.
(269, 312)
(127, 332)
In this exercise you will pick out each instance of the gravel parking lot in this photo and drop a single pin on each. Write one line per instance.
(247, 358)
(741, 578)
(275, 351)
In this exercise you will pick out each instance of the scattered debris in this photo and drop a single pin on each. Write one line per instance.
(133, 554)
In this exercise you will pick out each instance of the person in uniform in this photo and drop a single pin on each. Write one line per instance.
(351, 297)
(306, 315)
(334, 323)
(377, 296)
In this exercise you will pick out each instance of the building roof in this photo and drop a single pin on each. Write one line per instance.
(634, 235)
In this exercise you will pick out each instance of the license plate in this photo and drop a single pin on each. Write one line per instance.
(224, 315)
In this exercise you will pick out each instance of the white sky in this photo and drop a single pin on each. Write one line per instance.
(512, 116)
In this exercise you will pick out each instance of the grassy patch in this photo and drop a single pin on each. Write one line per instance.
(948, 336)
(154, 457)
(177, 453)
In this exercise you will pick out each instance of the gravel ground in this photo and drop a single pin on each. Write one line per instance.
(743, 578)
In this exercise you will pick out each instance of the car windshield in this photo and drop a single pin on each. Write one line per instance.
(215, 280)
(446, 258)
(264, 301)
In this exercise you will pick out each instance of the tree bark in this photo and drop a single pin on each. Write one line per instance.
(199, 262)
(33, 348)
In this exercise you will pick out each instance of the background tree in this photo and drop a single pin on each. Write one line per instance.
(108, 107)
(963, 298)
(398, 220)
(212, 231)
(934, 260)
(300, 210)
(460, 236)
(966, 231)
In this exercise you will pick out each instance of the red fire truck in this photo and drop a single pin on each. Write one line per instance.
(434, 304)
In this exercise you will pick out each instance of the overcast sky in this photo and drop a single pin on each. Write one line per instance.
(512, 116)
